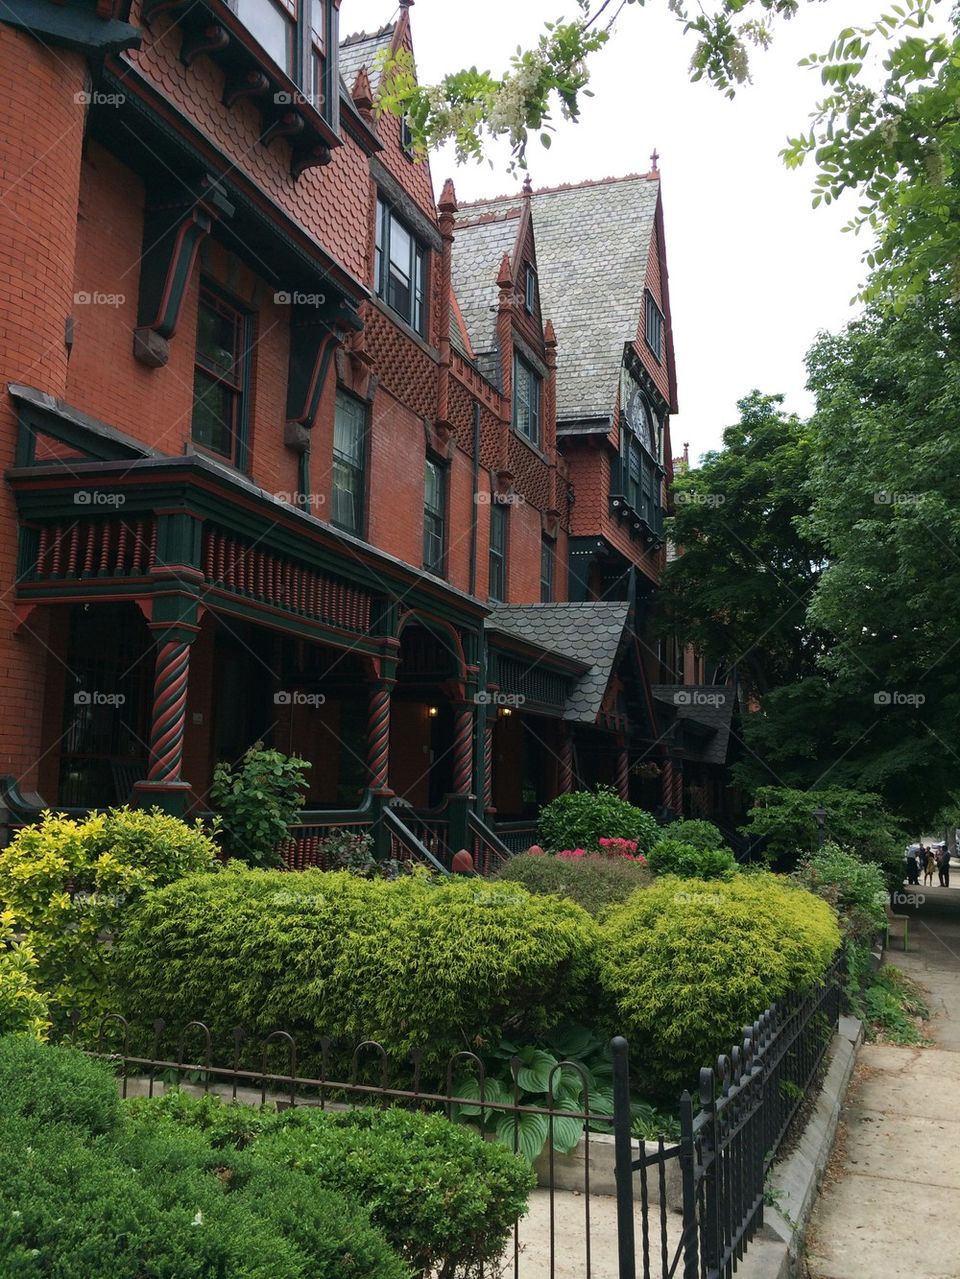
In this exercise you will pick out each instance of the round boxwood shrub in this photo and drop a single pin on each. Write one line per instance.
(686, 963)
(580, 818)
(592, 882)
(671, 856)
(411, 963)
(700, 834)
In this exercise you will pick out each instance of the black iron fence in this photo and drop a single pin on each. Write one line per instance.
(611, 1204)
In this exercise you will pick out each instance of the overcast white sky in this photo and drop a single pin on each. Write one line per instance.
(755, 271)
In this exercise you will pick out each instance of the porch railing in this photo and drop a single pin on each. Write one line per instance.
(518, 836)
(406, 846)
(487, 848)
(304, 847)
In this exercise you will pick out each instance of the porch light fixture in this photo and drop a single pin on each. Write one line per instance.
(433, 711)
(505, 711)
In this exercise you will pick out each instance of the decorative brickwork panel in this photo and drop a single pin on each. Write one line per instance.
(530, 473)
(234, 565)
(405, 369)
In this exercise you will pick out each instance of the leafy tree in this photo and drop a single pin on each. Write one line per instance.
(258, 800)
(740, 590)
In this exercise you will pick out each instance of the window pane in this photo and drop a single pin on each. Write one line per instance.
(432, 487)
(216, 338)
(270, 27)
(213, 408)
(346, 496)
(348, 429)
(401, 247)
(378, 282)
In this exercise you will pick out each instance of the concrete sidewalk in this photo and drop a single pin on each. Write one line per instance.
(888, 1204)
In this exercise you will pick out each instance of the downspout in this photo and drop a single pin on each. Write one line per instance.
(474, 518)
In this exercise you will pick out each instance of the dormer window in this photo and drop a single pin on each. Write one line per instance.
(291, 33)
(526, 400)
(654, 328)
(530, 290)
(400, 268)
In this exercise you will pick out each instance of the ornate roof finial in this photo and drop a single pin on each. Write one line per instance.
(528, 185)
(654, 160)
(448, 198)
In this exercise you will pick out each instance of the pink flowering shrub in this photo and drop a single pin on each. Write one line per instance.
(620, 849)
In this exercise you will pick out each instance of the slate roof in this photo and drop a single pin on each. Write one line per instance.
(709, 709)
(477, 251)
(360, 50)
(593, 297)
(588, 633)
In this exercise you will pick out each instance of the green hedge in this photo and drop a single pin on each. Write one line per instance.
(686, 963)
(444, 1198)
(411, 963)
(671, 856)
(592, 882)
(86, 1195)
(581, 818)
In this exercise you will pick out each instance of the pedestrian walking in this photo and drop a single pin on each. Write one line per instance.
(929, 866)
(913, 864)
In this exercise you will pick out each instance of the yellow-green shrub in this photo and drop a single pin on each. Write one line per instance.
(22, 1006)
(686, 963)
(411, 963)
(69, 884)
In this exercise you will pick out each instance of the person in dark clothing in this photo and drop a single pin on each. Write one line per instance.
(943, 866)
(913, 866)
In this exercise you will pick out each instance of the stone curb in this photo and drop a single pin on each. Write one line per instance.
(776, 1251)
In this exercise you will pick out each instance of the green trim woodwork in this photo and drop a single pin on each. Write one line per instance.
(72, 26)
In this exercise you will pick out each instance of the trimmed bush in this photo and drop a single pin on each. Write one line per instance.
(592, 882)
(701, 834)
(411, 963)
(580, 818)
(686, 963)
(56, 1086)
(444, 1198)
(673, 857)
(854, 887)
(69, 885)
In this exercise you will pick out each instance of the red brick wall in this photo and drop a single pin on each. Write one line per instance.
(41, 134)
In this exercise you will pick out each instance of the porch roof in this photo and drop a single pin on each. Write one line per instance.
(588, 633)
(704, 712)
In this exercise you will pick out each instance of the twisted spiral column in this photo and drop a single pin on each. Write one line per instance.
(488, 765)
(565, 765)
(463, 750)
(169, 711)
(666, 783)
(678, 789)
(378, 737)
(623, 771)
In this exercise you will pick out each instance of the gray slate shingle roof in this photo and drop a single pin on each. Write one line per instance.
(360, 50)
(709, 705)
(477, 251)
(593, 243)
(588, 633)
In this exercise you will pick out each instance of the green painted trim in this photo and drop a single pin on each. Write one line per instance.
(71, 25)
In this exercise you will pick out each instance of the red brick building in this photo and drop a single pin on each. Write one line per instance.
(296, 453)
